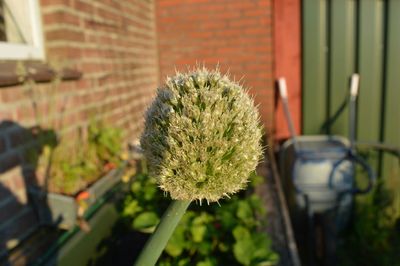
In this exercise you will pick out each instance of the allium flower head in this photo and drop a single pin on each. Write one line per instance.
(202, 136)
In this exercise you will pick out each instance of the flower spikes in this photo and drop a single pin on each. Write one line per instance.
(202, 136)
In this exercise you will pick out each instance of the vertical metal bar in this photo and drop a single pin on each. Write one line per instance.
(370, 69)
(341, 61)
(314, 65)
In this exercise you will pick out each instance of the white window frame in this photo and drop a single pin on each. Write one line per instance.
(35, 51)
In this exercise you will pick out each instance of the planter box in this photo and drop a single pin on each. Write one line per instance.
(61, 210)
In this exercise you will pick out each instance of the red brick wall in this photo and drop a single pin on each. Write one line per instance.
(113, 44)
(288, 61)
(235, 34)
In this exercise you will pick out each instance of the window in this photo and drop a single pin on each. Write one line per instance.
(21, 34)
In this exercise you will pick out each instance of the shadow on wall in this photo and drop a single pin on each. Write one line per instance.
(20, 150)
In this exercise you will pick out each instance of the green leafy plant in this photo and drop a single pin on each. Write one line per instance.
(74, 165)
(374, 237)
(106, 141)
(67, 165)
(230, 234)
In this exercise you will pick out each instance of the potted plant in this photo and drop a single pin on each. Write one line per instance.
(77, 174)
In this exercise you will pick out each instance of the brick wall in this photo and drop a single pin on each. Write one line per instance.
(235, 34)
(113, 44)
(287, 39)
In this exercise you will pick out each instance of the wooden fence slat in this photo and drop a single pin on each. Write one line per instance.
(314, 65)
(370, 68)
(342, 63)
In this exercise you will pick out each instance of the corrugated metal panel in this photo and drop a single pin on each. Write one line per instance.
(345, 36)
(370, 51)
(391, 110)
(341, 63)
(314, 64)
(339, 38)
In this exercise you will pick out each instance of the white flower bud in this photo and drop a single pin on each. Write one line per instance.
(202, 136)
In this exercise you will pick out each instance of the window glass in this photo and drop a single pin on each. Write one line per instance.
(15, 19)
(20, 30)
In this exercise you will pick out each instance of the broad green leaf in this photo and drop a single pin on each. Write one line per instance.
(146, 222)
(135, 187)
(164, 263)
(176, 243)
(243, 251)
(263, 255)
(184, 262)
(131, 208)
(241, 232)
(243, 248)
(205, 248)
(198, 232)
(227, 219)
(149, 192)
(244, 212)
(207, 262)
(202, 218)
(257, 204)
(262, 246)
(273, 259)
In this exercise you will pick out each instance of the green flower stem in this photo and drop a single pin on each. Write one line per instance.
(159, 239)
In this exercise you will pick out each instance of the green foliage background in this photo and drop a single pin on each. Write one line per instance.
(374, 235)
(74, 164)
(230, 234)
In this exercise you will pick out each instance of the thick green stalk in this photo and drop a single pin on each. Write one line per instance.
(159, 239)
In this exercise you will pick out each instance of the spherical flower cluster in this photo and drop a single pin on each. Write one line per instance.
(202, 136)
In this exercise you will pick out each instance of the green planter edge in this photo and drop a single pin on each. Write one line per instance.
(54, 209)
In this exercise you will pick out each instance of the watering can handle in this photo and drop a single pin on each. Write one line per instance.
(352, 157)
(355, 80)
(367, 168)
(284, 96)
(282, 88)
(354, 85)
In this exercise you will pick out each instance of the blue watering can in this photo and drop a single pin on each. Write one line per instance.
(319, 171)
